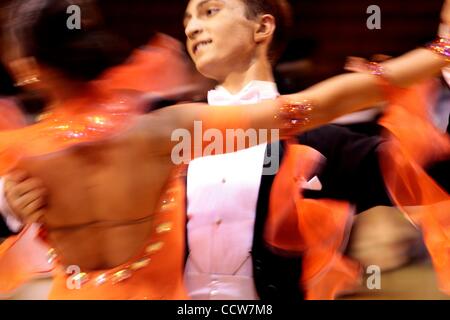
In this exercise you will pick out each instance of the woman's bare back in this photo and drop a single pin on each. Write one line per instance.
(102, 196)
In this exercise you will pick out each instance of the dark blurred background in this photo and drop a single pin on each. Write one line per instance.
(325, 31)
(324, 34)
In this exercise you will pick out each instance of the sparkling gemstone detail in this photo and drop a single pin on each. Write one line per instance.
(164, 227)
(142, 263)
(121, 275)
(154, 247)
(101, 279)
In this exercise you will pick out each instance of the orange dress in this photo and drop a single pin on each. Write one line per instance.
(154, 273)
(10, 115)
(23, 258)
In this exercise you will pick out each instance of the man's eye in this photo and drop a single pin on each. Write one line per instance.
(212, 11)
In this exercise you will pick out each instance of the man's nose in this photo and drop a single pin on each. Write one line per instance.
(193, 29)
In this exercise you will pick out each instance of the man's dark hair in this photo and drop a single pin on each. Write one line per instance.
(282, 12)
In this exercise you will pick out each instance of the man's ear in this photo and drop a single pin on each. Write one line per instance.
(265, 29)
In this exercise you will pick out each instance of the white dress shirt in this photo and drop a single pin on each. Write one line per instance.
(222, 192)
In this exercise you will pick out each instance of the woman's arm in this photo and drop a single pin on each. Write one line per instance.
(202, 120)
(321, 103)
(348, 93)
(308, 109)
(315, 106)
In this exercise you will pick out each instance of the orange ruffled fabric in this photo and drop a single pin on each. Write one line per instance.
(157, 67)
(415, 143)
(10, 115)
(93, 117)
(315, 229)
(96, 115)
(99, 114)
(11, 118)
(22, 259)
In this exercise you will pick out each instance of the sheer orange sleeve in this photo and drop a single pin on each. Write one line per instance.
(315, 229)
(415, 143)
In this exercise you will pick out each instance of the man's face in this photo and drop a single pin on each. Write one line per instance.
(220, 38)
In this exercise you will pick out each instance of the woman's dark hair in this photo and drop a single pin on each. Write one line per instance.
(40, 28)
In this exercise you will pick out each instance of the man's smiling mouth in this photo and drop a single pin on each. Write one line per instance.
(200, 44)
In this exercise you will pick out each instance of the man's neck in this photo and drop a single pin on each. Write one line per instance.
(237, 80)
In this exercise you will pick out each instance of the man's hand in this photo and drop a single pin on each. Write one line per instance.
(26, 196)
(383, 237)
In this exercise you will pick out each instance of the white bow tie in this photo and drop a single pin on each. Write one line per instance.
(223, 98)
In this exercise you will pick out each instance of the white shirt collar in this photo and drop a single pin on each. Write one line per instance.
(253, 92)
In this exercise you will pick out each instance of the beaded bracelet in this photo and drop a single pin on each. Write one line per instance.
(374, 68)
(294, 115)
(440, 46)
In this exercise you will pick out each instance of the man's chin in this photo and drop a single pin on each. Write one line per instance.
(208, 68)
